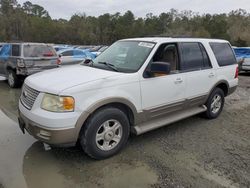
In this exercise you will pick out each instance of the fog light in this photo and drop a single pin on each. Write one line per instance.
(44, 133)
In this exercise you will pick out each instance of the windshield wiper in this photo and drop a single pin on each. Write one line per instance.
(109, 65)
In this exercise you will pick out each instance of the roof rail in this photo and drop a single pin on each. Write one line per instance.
(166, 36)
(169, 36)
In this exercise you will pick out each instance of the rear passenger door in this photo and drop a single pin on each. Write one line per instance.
(200, 76)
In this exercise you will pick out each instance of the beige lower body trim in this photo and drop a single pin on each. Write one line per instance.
(64, 137)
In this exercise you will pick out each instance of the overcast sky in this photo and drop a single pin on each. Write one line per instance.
(66, 8)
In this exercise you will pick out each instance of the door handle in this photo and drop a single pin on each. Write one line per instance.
(211, 75)
(178, 81)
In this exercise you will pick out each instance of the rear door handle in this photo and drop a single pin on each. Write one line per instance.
(178, 81)
(211, 75)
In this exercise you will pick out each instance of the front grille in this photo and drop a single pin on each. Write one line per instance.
(28, 96)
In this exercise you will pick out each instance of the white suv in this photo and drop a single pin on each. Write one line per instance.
(136, 85)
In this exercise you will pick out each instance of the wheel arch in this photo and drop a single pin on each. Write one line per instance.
(123, 104)
(222, 84)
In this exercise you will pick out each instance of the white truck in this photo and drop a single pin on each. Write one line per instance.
(134, 86)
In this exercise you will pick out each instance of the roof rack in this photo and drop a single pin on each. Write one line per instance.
(165, 36)
(173, 36)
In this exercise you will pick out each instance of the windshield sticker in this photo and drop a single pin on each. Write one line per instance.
(146, 44)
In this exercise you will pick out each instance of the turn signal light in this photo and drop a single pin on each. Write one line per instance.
(68, 103)
(236, 72)
(58, 62)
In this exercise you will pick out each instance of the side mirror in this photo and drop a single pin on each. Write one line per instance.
(87, 61)
(160, 68)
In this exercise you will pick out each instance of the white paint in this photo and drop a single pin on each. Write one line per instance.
(90, 85)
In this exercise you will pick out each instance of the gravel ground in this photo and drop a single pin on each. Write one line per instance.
(194, 152)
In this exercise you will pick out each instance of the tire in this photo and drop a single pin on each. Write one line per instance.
(12, 79)
(214, 108)
(105, 133)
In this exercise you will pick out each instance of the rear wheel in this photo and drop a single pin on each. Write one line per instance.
(105, 133)
(13, 80)
(215, 104)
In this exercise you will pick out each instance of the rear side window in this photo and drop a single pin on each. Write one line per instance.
(15, 50)
(223, 53)
(78, 53)
(68, 53)
(38, 51)
(192, 57)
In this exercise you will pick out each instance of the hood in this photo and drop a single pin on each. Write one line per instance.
(56, 80)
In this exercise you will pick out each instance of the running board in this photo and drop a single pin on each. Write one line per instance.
(161, 122)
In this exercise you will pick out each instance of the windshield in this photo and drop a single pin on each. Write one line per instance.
(38, 51)
(125, 56)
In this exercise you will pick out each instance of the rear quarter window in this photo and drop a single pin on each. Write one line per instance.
(223, 53)
(68, 53)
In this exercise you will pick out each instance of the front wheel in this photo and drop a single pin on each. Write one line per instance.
(13, 81)
(215, 104)
(105, 133)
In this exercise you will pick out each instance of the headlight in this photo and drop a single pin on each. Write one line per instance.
(56, 103)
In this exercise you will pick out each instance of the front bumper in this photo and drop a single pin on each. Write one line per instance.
(59, 137)
(245, 67)
(52, 128)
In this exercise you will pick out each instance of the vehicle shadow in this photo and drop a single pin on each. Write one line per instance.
(9, 100)
(244, 74)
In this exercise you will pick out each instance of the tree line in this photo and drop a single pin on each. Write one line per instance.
(31, 22)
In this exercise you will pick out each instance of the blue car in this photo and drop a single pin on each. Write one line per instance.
(243, 58)
(74, 56)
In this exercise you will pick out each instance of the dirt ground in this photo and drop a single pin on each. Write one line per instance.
(191, 153)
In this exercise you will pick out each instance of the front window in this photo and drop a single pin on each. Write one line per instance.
(125, 56)
(38, 51)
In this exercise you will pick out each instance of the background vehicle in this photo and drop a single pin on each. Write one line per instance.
(18, 60)
(1, 45)
(100, 50)
(136, 85)
(74, 56)
(243, 58)
(60, 47)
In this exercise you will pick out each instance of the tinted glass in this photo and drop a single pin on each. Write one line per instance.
(206, 60)
(15, 50)
(38, 51)
(223, 53)
(192, 57)
(67, 53)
